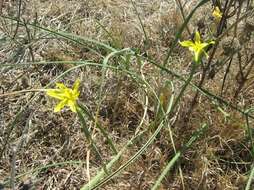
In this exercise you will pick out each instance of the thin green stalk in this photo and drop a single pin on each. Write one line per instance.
(75, 38)
(141, 23)
(79, 65)
(248, 185)
(160, 125)
(131, 160)
(174, 74)
(85, 130)
(249, 129)
(102, 79)
(200, 89)
(180, 31)
(186, 84)
(99, 176)
(172, 162)
(180, 6)
(44, 168)
(12, 124)
(103, 131)
(105, 29)
(177, 154)
(137, 154)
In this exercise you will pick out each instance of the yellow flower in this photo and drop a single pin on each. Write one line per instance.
(197, 47)
(67, 96)
(217, 14)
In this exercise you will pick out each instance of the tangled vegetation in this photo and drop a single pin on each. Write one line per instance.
(144, 94)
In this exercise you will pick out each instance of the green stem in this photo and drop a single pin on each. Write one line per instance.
(160, 125)
(103, 131)
(96, 179)
(84, 129)
(172, 162)
(248, 185)
(186, 84)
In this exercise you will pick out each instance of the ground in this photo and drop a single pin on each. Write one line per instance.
(133, 74)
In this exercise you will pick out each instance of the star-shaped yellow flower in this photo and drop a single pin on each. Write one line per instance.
(217, 14)
(67, 96)
(197, 47)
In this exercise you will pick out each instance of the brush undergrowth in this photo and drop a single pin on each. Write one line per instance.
(149, 115)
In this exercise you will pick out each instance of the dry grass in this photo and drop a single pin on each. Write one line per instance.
(49, 151)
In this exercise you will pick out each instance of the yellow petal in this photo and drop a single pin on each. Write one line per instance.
(72, 105)
(197, 37)
(187, 43)
(55, 93)
(67, 96)
(60, 106)
(203, 45)
(76, 85)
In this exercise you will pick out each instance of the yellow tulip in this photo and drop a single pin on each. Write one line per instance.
(67, 96)
(197, 47)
